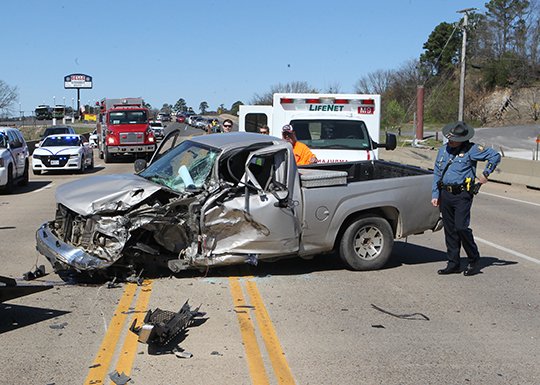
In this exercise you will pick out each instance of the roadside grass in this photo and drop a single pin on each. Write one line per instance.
(34, 131)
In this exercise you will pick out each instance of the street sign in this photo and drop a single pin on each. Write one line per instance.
(77, 81)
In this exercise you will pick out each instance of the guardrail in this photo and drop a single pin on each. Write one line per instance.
(510, 170)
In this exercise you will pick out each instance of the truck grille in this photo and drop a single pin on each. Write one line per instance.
(131, 138)
(72, 228)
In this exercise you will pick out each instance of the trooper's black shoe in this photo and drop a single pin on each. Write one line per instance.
(472, 269)
(449, 270)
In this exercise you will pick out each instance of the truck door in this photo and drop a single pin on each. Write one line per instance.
(263, 218)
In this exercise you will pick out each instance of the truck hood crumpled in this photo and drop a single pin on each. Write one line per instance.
(105, 193)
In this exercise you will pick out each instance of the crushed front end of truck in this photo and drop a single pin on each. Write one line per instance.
(184, 211)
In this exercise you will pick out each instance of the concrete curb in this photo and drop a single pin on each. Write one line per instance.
(510, 170)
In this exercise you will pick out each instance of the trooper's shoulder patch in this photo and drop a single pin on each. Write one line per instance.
(480, 147)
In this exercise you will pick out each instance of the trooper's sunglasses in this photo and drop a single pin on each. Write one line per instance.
(227, 125)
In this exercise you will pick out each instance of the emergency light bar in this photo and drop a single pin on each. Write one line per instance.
(364, 102)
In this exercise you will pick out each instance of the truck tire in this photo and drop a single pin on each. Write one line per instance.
(367, 243)
(106, 156)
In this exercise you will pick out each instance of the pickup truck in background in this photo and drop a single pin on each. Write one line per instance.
(221, 199)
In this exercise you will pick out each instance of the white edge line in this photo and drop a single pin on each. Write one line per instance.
(502, 248)
(44, 188)
(511, 199)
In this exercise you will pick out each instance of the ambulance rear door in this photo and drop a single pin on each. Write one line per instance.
(250, 118)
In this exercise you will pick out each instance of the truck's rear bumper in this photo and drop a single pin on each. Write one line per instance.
(131, 148)
(62, 255)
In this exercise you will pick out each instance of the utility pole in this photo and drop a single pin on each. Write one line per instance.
(463, 52)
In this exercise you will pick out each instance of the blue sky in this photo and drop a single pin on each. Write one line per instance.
(213, 51)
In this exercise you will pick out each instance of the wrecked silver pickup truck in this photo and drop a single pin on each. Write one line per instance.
(223, 199)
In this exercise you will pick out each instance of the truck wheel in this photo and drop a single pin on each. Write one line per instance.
(106, 156)
(367, 243)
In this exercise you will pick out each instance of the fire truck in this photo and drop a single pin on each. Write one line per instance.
(123, 128)
(336, 127)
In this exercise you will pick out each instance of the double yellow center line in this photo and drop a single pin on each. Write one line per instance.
(254, 358)
(102, 362)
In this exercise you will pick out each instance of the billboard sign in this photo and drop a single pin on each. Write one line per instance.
(77, 81)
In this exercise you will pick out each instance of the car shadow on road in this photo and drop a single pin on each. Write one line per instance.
(31, 186)
(281, 267)
(19, 316)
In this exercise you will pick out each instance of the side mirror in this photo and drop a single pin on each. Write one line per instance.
(139, 165)
(37, 145)
(391, 142)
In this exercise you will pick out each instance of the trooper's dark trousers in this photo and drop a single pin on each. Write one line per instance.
(456, 215)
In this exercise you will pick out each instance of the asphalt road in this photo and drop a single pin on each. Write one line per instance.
(293, 321)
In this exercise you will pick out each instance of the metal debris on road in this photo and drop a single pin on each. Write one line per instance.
(119, 378)
(37, 273)
(161, 326)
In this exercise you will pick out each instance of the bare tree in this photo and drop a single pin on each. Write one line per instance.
(8, 95)
(292, 87)
(333, 88)
(376, 82)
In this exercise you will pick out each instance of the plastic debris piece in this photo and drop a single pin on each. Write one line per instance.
(119, 378)
(58, 326)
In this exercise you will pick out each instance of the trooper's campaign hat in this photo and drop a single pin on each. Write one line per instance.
(458, 131)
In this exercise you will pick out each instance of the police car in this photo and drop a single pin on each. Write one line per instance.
(62, 152)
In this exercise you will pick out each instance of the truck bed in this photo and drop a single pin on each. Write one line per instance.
(357, 172)
(335, 192)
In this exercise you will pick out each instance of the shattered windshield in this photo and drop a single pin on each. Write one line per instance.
(187, 165)
(332, 134)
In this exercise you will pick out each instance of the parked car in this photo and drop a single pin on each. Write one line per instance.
(63, 152)
(14, 162)
(56, 130)
(158, 129)
(180, 119)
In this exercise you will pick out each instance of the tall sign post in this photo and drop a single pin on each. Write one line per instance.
(78, 81)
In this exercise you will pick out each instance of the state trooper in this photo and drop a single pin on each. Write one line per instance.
(453, 189)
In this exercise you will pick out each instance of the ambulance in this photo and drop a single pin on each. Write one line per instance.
(336, 127)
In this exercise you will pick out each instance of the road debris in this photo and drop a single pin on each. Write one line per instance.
(413, 316)
(119, 378)
(37, 273)
(160, 327)
(58, 326)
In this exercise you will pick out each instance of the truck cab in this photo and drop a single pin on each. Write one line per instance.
(123, 128)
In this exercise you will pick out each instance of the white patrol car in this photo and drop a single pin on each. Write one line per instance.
(62, 152)
(336, 127)
(14, 164)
